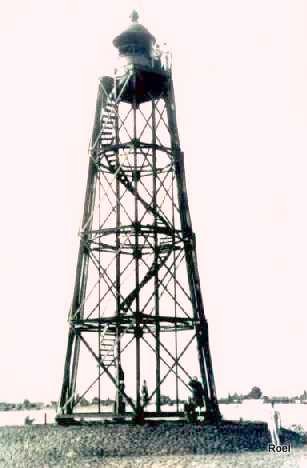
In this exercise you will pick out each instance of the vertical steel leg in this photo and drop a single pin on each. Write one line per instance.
(156, 278)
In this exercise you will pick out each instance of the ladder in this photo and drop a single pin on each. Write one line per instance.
(106, 134)
(107, 346)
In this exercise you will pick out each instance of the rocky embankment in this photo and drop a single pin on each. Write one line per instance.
(95, 444)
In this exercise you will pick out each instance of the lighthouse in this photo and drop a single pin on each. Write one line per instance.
(137, 325)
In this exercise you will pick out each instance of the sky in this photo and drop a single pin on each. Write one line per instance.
(240, 72)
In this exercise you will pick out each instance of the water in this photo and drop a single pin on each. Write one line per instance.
(17, 418)
(291, 414)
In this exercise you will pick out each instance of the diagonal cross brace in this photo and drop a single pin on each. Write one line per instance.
(105, 368)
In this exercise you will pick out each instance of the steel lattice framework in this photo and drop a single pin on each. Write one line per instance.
(137, 310)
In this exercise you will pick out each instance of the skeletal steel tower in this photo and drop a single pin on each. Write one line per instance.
(137, 311)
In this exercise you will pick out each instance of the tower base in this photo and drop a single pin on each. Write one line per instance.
(77, 418)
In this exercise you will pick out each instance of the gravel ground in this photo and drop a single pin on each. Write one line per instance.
(297, 459)
(152, 445)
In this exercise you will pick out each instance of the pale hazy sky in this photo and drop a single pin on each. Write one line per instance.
(240, 73)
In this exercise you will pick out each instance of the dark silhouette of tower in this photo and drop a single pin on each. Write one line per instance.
(137, 322)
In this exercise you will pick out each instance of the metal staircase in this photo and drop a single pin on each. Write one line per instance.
(110, 161)
(106, 134)
(111, 158)
(107, 346)
(153, 270)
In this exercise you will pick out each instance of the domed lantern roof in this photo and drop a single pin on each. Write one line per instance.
(135, 34)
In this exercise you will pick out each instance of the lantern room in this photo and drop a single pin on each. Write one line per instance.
(138, 47)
